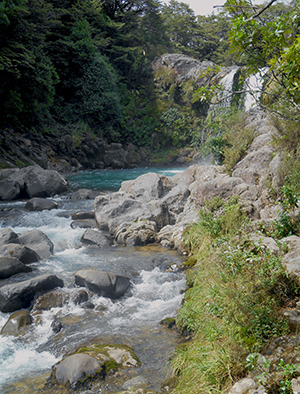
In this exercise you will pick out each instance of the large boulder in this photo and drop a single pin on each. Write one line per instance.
(10, 266)
(40, 204)
(102, 283)
(20, 295)
(16, 323)
(32, 181)
(20, 252)
(37, 241)
(113, 209)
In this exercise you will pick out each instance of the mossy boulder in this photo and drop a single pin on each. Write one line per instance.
(90, 364)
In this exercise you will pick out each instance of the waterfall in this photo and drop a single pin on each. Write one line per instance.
(254, 87)
(224, 98)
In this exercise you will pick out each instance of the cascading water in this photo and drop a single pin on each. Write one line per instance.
(224, 98)
(254, 87)
(134, 319)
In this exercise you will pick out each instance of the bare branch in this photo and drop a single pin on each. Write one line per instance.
(261, 11)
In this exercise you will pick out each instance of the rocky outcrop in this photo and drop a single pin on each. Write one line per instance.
(59, 153)
(130, 215)
(186, 68)
(103, 283)
(32, 181)
(20, 295)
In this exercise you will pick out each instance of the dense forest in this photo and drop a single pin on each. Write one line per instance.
(85, 67)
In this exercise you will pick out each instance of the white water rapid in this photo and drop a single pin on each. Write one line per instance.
(134, 319)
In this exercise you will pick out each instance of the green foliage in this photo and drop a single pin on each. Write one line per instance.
(271, 40)
(227, 136)
(232, 306)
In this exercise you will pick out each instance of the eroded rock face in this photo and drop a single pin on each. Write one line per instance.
(140, 233)
(103, 283)
(20, 295)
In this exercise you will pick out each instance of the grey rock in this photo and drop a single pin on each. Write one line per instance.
(40, 204)
(10, 266)
(103, 283)
(20, 295)
(32, 181)
(37, 241)
(20, 252)
(76, 368)
(94, 238)
(136, 234)
(243, 386)
(7, 235)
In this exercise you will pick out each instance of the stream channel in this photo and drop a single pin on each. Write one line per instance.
(155, 293)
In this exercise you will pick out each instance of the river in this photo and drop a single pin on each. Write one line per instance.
(155, 293)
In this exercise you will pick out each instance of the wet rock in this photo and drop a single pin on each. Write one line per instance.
(83, 215)
(81, 296)
(37, 241)
(84, 223)
(87, 305)
(94, 238)
(16, 323)
(20, 252)
(7, 235)
(10, 266)
(56, 326)
(135, 382)
(53, 299)
(243, 386)
(103, 283)
(75, 369)
(40, 204)
(169, 322)
(20, 295)
(101, 308)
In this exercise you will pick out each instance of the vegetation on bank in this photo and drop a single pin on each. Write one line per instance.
(232, 307)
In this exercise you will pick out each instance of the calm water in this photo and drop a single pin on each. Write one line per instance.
(133, 320)
(108, 180)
